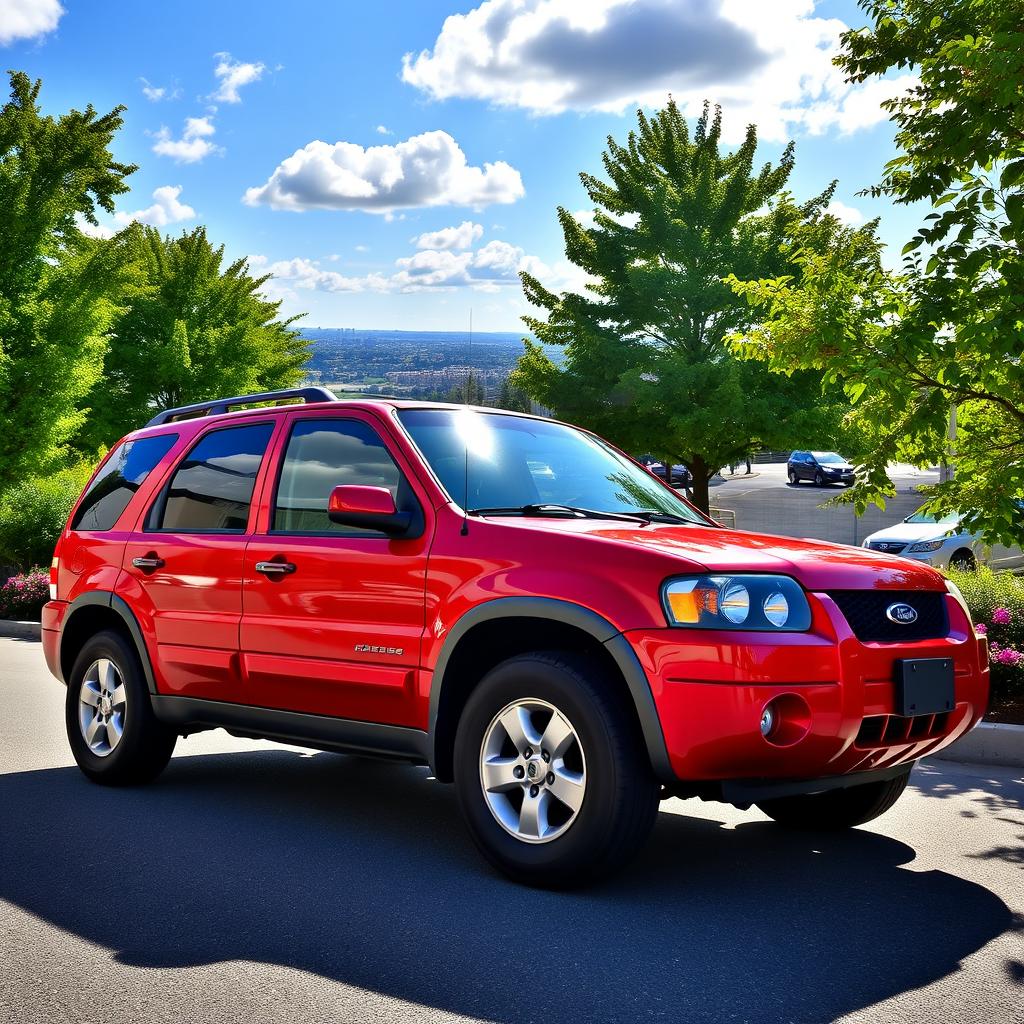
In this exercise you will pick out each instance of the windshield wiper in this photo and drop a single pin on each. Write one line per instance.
(552, 509)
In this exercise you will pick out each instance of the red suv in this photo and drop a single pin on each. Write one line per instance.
(507, 599)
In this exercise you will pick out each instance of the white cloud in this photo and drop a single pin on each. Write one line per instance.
(156, 93)
(194, 144)
(166, 209)
(847, 214)
(306, 274)
(383, 130)
(361, 248)
(461, 237)
(584, 217)
(25, 19)
(93, 230)
(232, 75)
(766, 63)
(426, 170)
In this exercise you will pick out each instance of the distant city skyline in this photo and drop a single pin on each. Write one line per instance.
(396, 165)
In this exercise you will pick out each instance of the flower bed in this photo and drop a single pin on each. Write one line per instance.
(23, 596)
(996, 601)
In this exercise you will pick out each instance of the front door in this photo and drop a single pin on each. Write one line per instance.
(183, 562)
(333, 615)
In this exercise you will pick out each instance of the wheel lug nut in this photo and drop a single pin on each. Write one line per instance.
(550, 779)
(528, 752)
(534, 790)
(518, 771)
(544, 754)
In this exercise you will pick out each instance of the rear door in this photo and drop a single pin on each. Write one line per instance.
(337, 631)
(183, 561)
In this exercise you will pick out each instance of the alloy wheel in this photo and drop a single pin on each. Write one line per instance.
(102, 702)
(533, 770)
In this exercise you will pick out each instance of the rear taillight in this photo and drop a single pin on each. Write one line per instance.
(54, 566)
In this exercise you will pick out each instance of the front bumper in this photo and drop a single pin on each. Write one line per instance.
(711, 689)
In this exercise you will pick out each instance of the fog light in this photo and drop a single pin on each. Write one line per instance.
(767, 721)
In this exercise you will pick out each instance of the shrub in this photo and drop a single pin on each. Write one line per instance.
(23, 596)
(996, 601)
(33, 513)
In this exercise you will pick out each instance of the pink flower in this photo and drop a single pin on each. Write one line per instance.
(1007, 656)
(981, 628)
(1001, 616)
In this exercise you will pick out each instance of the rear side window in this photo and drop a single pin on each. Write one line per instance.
(211, 489)
(322, 454)
(121, 476)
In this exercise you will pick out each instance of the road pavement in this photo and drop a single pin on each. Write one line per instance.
(767, 503)
(255, 882)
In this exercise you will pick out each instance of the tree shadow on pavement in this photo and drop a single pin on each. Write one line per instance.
(359, 871)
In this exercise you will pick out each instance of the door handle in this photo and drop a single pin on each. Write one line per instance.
(275, 568)
(149, 562)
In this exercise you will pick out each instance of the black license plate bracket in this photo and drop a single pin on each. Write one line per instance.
(924, 686)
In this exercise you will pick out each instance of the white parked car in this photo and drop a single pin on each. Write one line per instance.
(942, 543)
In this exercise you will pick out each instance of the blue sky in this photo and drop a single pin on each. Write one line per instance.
(257, 119)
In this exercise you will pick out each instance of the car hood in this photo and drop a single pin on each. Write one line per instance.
(844, 466)
(818, 565)
(910, 532)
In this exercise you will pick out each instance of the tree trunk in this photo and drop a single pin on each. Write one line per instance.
(701, 475)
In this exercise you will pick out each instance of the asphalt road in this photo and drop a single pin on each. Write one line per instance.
(767, 503)
(257, 883)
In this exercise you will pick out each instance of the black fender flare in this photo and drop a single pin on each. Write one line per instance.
(118, 605)
(553, 609)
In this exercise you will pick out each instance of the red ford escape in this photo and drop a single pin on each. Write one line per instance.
(507, 599)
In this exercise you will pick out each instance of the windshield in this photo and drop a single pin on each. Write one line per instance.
(514, 462)
(950, 519)
(827, 457)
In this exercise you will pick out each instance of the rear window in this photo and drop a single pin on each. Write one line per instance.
(121, 476)
(211, 489)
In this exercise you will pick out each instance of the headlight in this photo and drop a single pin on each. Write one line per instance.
(766, 603)
(928, 545)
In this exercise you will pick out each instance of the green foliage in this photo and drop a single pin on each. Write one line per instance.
(190, 330)
(646, 362)
(948, 330)
(33, 513)
(55, 284)
(996, 602)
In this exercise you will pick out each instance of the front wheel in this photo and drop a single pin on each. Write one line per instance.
(114, 735)
(550, 771)
(838, 808)
(819, 480)
(793, 478)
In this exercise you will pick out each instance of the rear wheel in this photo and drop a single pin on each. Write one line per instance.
(838, 808)
(114, 735)
(550, 772)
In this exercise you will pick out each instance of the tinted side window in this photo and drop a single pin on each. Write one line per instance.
(211, 489)
(322, 454)
(121, 476)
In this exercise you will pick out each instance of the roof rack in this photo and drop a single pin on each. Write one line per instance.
(222, 405)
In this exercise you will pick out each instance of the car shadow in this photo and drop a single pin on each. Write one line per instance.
(360, 871)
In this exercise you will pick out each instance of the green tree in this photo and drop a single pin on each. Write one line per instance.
(947, 331)
(191, 330)
(55, 284)
(646, 361)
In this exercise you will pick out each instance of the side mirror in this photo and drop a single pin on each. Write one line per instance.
(370, 508)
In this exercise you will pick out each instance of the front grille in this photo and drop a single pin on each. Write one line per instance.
(887, 730)
(865, 610)
(890, 546)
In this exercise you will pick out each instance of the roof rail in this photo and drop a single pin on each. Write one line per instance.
(222, 405)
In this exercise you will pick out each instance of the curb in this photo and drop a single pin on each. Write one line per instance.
(14, 630)
(996, 743)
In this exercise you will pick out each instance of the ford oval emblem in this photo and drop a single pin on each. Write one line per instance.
(900, 613)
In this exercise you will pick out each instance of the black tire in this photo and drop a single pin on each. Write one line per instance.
(793, 478)
(838, 808)
(963, 560)
(819, 480)
(620, 801)
(145, 745)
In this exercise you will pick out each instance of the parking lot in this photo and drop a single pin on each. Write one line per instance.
(257, 882)
(766, 502)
